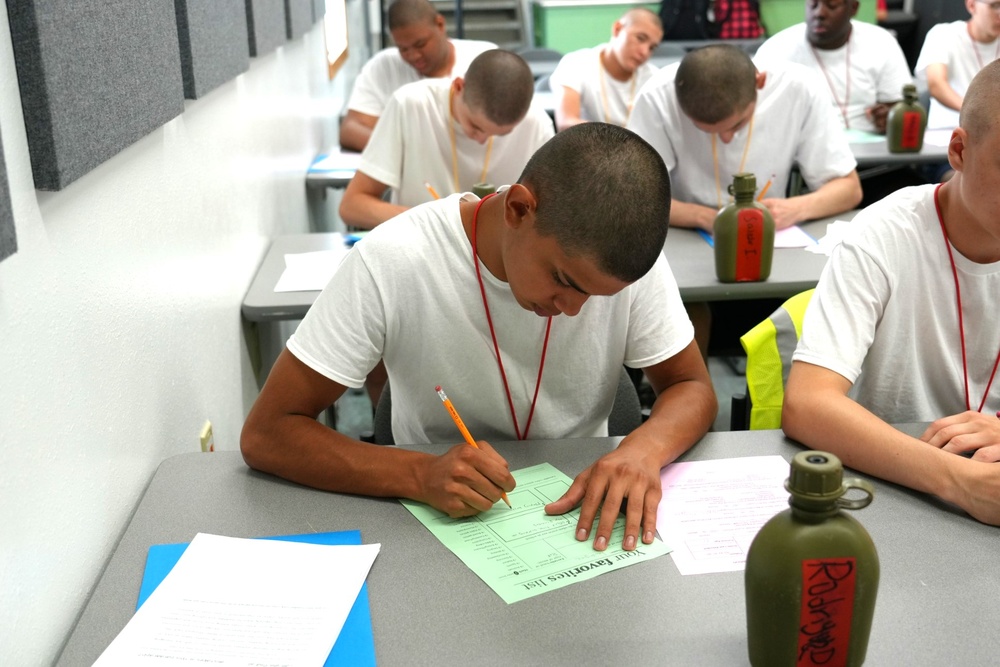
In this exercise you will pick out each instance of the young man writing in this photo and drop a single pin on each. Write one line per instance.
(601, 83)
(862, 65)
(422, 50)
(431, 290)
(438, 137)
(903, 328)
(715, 114)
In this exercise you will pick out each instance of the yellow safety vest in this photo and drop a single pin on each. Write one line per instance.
(769, 347)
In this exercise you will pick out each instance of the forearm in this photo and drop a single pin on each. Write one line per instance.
(367, 211)
(564, 121)
(835, 423)
(680, 416)
(945, 94)
(354, 134)
(692, 216)
(302, 450)
(833, 197)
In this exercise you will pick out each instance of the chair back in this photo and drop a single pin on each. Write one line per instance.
(625, 417)
(769, 347)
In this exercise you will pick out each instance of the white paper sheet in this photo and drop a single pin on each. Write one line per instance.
(232, 601)
(940, 137)
(310, 271)
(792, 237)
(836, 232)
(711, 510)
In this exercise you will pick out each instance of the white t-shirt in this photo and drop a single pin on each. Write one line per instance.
(408, 293)
(951, 45)
(386, 72)
(583, 72)
(884, 315)
(878, 69)
(793, 124)
(411, 145)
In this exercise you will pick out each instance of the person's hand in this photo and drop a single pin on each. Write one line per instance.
(464, 481)
(786, 212)
(967, 432)
(626, 475)
(878, 115)
(978, 488)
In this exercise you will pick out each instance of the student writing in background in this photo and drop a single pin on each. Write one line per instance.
(714, 115)
(861, 65)
(449, 135)
(569, 297)
(953, 53)
(903, 327)
(601, 83)
(422, 49)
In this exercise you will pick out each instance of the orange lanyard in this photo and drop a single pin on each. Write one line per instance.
(847, 93)
(715, 160)
(604, 93)
(454, 146)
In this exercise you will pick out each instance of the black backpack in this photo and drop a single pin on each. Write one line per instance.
(694, 19)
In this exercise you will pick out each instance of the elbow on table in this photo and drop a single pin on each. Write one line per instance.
(254, 447)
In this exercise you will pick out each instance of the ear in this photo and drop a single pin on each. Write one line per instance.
(759, 79)
(956, 148)
(616, 28)
(519, 206)
(854, 7)
(439, 22)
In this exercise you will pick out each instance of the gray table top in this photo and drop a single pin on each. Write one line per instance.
(691, 259)
(937, 601)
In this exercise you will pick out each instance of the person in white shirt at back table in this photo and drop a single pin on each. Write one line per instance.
(601, 83)
(422, 50)
(862, 65)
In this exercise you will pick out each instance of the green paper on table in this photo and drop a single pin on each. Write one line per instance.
(522, 552)
(862, 137)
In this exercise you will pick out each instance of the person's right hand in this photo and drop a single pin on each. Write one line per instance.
(464, 481)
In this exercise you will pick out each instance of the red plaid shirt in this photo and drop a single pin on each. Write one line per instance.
(742, 22)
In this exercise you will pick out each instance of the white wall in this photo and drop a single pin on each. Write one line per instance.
(119, 319)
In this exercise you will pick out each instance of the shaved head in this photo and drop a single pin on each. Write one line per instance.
(715, 82)
(404, 13)
(641, 15)
(979, 108)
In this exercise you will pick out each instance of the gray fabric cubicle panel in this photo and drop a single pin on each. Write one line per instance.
(8, 240)
(300, 17)
(266, 25)
(319, 9)
(213, 43)
(94, 78)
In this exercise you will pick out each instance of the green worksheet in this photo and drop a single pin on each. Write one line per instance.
(522, 552)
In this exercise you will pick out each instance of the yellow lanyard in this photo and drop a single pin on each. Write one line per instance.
(454, 146)
(715, 161)
(604, 93)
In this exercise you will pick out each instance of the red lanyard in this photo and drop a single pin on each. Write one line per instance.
(493, 334)
(847, 93)
(961, 326)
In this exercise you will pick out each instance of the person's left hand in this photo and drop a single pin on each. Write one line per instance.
(878, 114)
(965, 432)
(786, 212)
(626, 475)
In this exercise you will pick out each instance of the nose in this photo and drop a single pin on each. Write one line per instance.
(570, 302)
(726, 137)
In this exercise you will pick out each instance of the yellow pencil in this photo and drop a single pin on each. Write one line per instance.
(430, 189)
(763, 190)
(461, 426)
